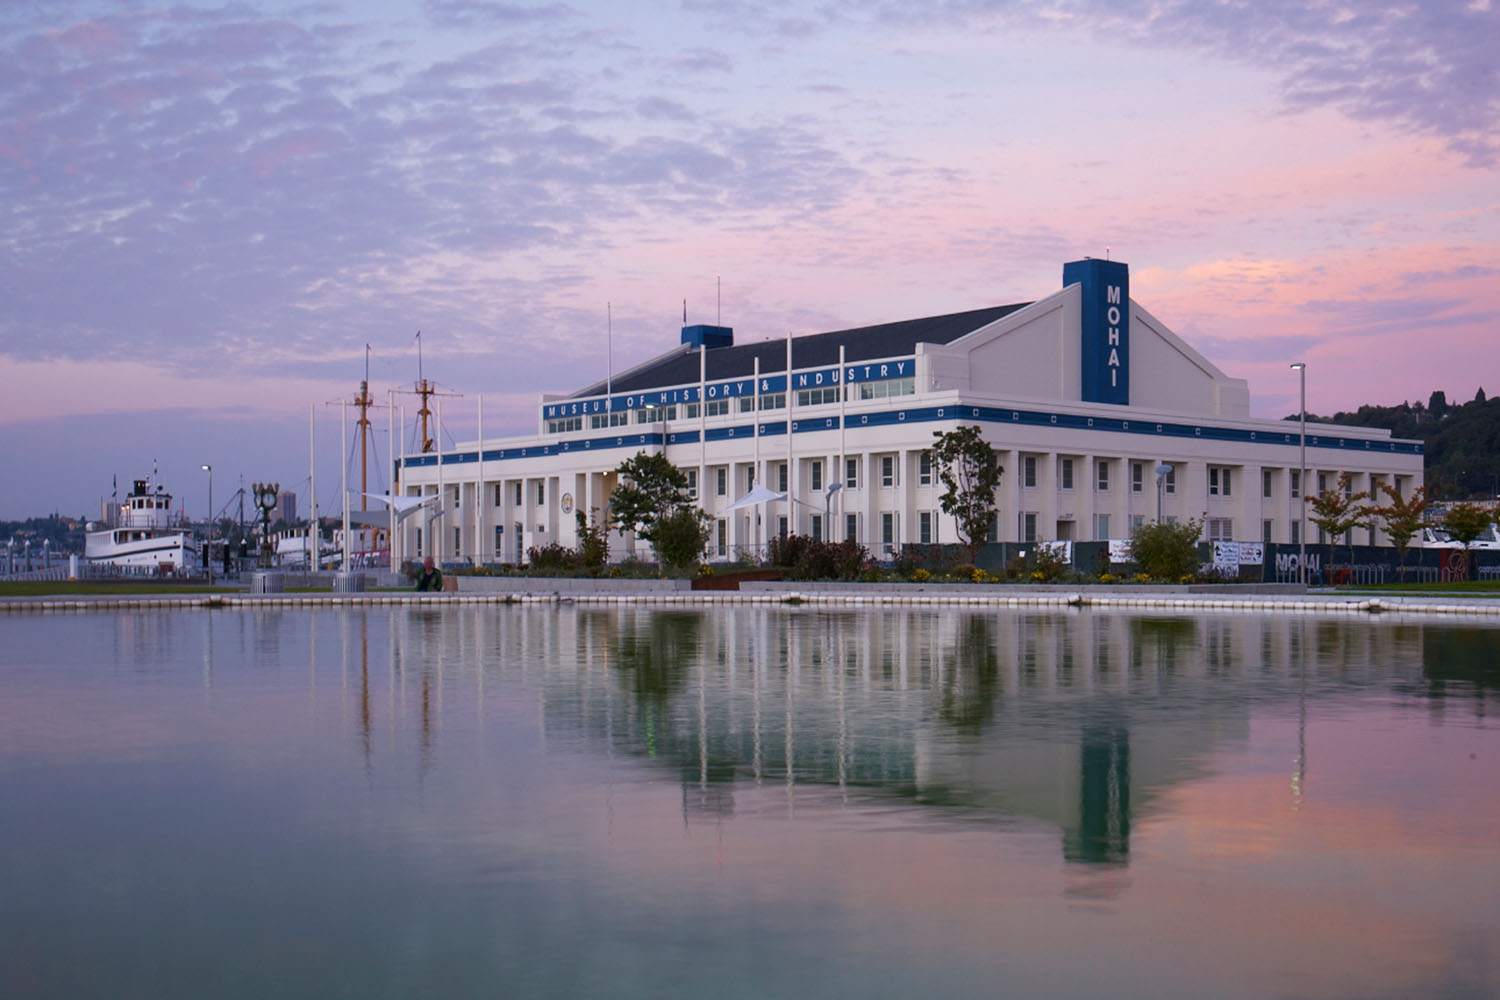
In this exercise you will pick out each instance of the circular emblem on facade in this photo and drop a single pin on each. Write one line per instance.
(567, 503)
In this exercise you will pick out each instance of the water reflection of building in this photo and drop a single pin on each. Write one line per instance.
(1079, 720)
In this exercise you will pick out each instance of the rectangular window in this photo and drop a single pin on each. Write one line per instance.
(716, 408)
(1220, 529)
(499, 541)
(924, 469)
(817, 527)
(1265, 532)
(1137, 477)
(747, 404)
(815, 477)
(518, 493)
(924, 527)
(1169, 482)
(1218, 481)
(781, 527)
(993, 535)
(615, 418)
(887, 529)
(419, 542)
(1101, 527)
(780, 477)
(851, 527)
(773, 401)
(692, 478)
(750, 479)
(851, 474)
(1028, 526)
(1322, 482)
(1296, 533)
(1065, 474)
(1028, 472)
(721, 481)
(1265, 484)
(1296, 484)
(497, 495)
(1101, 467)
(541, 493)
(1136, 521)
(457, 494)
(887, 470)
(818, 397)
(723, 534)
(458, 545)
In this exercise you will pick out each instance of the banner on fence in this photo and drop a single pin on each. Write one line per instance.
(1119, 550)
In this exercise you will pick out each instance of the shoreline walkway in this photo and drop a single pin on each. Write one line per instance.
(1262, 599)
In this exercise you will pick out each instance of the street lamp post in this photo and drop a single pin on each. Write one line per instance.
(208, 546)
(828, 508)
(1301, 369)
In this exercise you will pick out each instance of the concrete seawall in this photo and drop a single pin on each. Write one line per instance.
(1253, 599)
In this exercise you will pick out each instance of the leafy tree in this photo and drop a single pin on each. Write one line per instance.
(970, 472)
(1464, 522)
(680, 536)
(651, 490)
(593, 544)
(1339, 511)
(1164, 550)
(1402, 519)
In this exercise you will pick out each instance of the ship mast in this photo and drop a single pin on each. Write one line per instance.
(425, 390)
(364, 401)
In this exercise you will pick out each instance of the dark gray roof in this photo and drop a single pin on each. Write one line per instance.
(816, 350)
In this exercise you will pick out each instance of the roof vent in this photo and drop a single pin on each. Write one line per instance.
(703, 335)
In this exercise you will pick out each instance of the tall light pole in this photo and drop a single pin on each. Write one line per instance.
(1162, 469)
(1301, 369)
(208, 548)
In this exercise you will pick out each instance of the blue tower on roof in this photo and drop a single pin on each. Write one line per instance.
(1105, 349)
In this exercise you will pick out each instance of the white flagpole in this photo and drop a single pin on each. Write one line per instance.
(344, 479)
(312, 488)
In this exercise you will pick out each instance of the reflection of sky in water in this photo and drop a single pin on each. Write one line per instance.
(753, 802)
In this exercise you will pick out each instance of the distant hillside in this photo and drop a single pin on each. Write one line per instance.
(1462, 443)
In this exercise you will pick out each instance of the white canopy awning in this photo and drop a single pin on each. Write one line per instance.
(759, 494)
(403, 506)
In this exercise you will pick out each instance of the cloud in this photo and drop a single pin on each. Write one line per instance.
(217, 192)
(490, 14)
(1427, 68)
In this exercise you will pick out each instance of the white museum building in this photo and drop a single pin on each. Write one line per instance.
(1102, 418)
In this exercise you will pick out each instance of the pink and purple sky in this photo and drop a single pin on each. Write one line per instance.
(210, 210)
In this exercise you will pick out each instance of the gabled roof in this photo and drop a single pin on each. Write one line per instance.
(816, 350)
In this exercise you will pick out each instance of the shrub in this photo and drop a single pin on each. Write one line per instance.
(552, 558)
(803, 558)
(1166, 551)
(921, 575)
(681, 536)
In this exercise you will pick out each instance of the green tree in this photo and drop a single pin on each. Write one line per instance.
(680, 537)
(651, 490)
(1464, 522)
(593, 544)
(1167, 551)
(1339, 511)
(1402, 519)
(970, 472)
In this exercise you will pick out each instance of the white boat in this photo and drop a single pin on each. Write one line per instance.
(147, 536)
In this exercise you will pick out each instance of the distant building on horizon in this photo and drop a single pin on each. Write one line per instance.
(286, 508)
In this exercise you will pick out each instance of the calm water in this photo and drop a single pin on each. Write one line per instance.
(746, 803)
